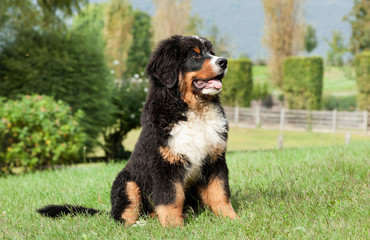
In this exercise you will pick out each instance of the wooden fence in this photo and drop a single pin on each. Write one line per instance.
(298, 119)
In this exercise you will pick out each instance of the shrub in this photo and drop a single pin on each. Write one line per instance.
(362, 65)
(340, 103)
(37, 130)
(303, 80)
(238, 83)
(141, 46)
(67, 66)
(261, 93)
(129, 99)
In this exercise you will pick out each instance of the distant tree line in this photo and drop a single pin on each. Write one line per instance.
(287, 35)
(93, 57)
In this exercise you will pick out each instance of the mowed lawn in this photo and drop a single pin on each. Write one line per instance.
(242, 139)
(296, 193)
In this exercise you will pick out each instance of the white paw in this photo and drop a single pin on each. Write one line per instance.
(141, 223)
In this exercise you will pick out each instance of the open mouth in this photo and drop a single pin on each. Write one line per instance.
(214, 82)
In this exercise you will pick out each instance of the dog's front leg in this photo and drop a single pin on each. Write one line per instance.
(169, 204)
(215, 191)
(216, 198)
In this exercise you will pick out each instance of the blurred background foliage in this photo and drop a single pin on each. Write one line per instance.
(92, 57)
(36, 131)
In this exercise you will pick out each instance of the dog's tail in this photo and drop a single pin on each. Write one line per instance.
(55, 211)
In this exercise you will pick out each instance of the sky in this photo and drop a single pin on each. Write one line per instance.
(242, 21)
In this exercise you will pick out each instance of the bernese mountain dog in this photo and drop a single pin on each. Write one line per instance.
(179, 159)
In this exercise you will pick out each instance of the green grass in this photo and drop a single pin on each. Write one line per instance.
(337, 80)
(261, 75)
(241, 139)
(297, 193)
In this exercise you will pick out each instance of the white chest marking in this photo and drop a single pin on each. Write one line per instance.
(197, 137)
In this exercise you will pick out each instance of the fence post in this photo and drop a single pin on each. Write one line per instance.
(364, 126)
(347, 140)
(282, 118)
(334, 120)
(258, 116)
(280, 141)
(236, 114)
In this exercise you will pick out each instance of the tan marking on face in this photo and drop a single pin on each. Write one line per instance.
(215, 197)
(206, 71)
(196, 49)
(131, 213)
(171, 157)
(188, 94)
(186, 90)
(171, 215)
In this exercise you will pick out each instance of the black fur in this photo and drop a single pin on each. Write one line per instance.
(164, 108)
(54, 211)
(164, 64)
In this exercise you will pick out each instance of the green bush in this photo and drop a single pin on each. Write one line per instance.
(67, 66)
(303, 81)
(129, 99)
(362, 65)
(238, 83)
(36, 131)
(340, 103)
(141, 46)
(261, 93)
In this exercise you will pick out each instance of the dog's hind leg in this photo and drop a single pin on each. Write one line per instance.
(131, 213)
(126, 201)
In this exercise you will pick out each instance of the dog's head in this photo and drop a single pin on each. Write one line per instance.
(189, 65)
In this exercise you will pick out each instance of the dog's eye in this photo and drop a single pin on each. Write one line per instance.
(196, 55)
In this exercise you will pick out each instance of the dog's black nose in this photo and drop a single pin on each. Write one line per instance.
(222, 62)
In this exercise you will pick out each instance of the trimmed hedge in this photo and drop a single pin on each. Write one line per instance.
(362, 65)
(303, 81)
(36, 131)
(238, 83)
(340, 103)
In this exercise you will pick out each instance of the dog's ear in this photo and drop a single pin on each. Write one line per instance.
(164, 64)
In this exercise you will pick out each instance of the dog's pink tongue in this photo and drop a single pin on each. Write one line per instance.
(215, 83)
